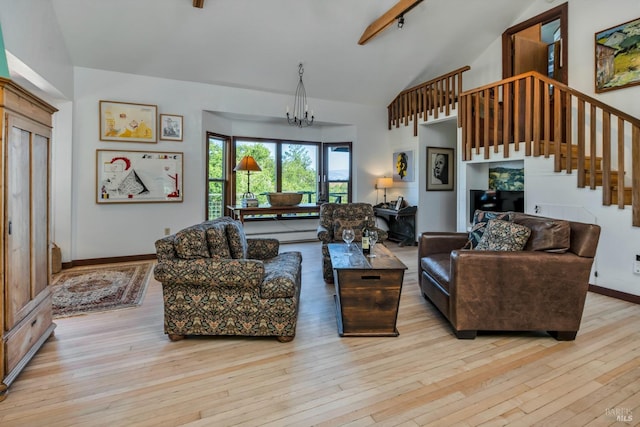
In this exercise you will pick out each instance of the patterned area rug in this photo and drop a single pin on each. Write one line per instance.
(94, 289)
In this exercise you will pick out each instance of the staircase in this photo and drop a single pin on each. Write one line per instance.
(547, 118)
(543, 117)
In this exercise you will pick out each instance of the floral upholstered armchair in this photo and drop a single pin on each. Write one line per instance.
(334, 217)
(215, 281)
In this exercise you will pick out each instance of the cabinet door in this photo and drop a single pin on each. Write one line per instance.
(27, 208)
(39, 213)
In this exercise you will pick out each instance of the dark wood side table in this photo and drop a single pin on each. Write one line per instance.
(367, 290)
(402, 224)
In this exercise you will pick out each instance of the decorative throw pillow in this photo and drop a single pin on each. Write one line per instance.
(503, 236)
(217, 241)
(341, 224)
(237, 240)
(191, 243)
(480, 219)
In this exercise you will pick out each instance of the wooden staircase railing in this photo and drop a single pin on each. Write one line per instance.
(541, 114)
(437, 96)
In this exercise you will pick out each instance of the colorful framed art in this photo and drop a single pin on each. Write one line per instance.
(617, 56)
(138, 176)
(127, 122)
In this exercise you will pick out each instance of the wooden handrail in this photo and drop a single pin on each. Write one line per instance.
(431, 98)
(541, 113)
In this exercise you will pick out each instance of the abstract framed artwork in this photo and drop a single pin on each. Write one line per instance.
(171, 127)
(617, 56)
(440, 165)
(138, 176)
(127, 122)
(403, 166)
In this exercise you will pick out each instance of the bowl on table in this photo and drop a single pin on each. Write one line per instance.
(284, 199)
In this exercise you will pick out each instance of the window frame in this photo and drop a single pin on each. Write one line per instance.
(226, 168)
(322, 171)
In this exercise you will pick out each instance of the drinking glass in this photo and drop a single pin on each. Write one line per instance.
(348, 235)
(373, 238)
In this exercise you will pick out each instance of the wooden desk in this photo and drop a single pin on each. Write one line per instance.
(367, 290)
(402, 224)
(240, 212)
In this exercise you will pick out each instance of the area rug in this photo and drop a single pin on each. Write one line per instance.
(96, 289)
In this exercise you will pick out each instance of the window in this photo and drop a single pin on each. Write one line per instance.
(294, 166)
(217, 193)
(337, 172)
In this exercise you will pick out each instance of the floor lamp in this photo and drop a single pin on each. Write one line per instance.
(249, 164)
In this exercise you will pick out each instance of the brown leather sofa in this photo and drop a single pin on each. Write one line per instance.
(540, 288)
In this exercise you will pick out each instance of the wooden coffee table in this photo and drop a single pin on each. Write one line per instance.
(367, 290)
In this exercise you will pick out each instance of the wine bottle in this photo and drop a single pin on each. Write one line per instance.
(366, 247)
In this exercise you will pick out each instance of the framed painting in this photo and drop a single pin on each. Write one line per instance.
(440, 165)
(127, 122)
(617, 56)
(138, 176)
(403, 166)
(171, 127)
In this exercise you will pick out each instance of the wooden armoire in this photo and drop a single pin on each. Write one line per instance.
(26, 319)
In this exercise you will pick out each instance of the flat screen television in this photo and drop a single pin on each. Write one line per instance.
(495, 200)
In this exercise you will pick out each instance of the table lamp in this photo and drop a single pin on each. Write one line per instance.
(249, 164)
(384, 183)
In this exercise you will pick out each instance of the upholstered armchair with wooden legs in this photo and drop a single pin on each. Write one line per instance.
(334, 217)
(215, 281)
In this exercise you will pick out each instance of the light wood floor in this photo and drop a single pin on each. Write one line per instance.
(119, 369)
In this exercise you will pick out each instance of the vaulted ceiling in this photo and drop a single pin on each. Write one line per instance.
(258, 44)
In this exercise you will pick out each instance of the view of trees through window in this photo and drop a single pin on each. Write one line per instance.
(286, 166)
(215, 176)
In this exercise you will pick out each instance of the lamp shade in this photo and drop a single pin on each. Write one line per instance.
(384, 182)
(247, 163)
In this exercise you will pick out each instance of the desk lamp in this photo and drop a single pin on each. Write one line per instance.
(249, 164)
(384, 183)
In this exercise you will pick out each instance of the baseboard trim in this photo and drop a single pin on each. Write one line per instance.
(95, 261)
(615, 294)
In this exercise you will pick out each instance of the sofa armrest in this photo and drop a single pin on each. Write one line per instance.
(324, 235)
(437, 242)
(165, 249)
(536, 288)
(264, 248)
(210, 272)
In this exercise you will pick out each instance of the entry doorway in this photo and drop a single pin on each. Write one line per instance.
(538, 44)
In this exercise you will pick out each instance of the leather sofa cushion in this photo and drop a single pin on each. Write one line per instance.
(438, 266)
(547, 234)
(191, 243)
(504, 236)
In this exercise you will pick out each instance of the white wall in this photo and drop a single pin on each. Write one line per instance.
(437, 210)
(131, 229)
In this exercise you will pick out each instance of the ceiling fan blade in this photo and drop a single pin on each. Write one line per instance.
(400, 8)
(198, 3)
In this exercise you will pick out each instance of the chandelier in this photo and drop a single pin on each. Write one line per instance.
(300, 107)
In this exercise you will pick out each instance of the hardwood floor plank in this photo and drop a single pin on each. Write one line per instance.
(118, 368)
